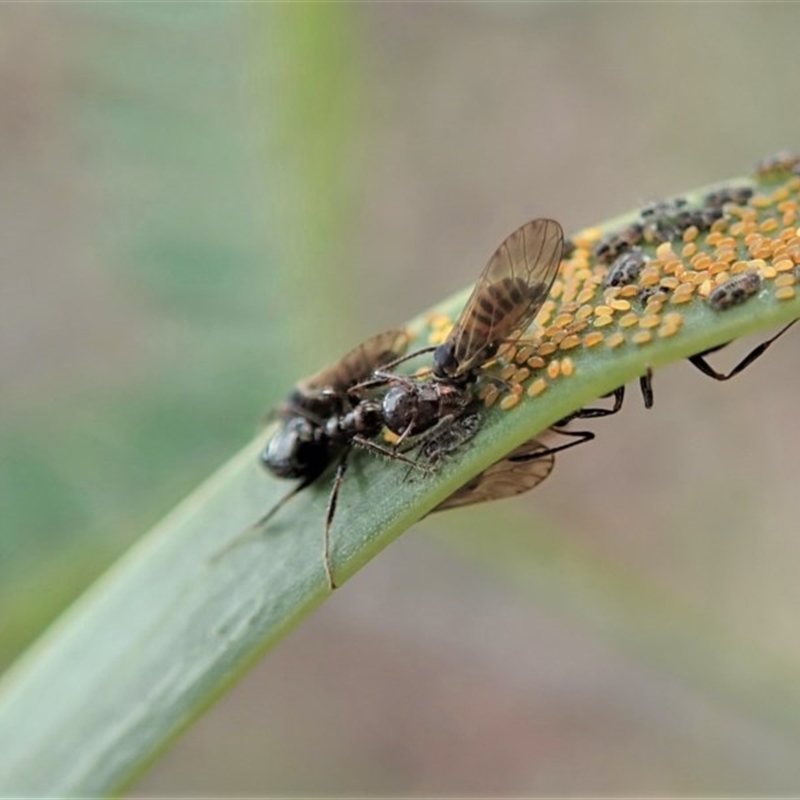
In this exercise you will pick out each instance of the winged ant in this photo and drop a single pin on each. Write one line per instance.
(507, 296)
(332, 412)
(321, 422)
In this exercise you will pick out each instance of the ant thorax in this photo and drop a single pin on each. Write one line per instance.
(411, 407)
(364, 419)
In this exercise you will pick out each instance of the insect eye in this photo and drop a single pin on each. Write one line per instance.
(445, 363)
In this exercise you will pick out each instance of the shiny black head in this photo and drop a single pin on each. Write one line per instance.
(445, 363)
(448, 367)
(299, 449)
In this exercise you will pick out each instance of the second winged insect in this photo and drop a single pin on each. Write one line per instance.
(343, 406)
(507, 297)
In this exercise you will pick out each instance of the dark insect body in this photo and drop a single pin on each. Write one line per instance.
(328, 414)
(775, 165)
(662, 219)
(507, 297)
(626, 268)
(319, 414)
(647, 293)
(614, 245)
(666, 221)
(728, 194)
(701, 218)
(321, 422)
(504, 302)
(699, 360)
(450, 439)
(735, 291)
(660, 222)
(411, 407)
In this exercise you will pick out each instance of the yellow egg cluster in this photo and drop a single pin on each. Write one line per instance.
(751, 246)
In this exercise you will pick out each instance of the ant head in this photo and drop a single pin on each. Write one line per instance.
(445, 363)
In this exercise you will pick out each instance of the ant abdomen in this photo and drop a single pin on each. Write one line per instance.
(297, 449)
(410, 408)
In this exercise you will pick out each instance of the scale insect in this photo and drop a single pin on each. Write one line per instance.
(736, 290)
(667, 221)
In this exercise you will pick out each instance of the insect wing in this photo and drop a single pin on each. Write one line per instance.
(359, 363)
(519, 472)
(509, 292)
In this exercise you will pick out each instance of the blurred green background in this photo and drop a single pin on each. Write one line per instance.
(201, 203)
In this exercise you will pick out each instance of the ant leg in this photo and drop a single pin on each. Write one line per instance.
(341, 469)
(646, 388)
(408, 429)
(700, 362)
(594, 413)
(580, 438)
(497, 381)
(379, 378)
(256, 527)
(354, 392)
(428, 436)
(645, 385)
(382, 376)
(305, 483)
(386, 452)
(392, 364)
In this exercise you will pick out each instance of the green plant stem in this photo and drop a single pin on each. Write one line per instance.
(178, 619)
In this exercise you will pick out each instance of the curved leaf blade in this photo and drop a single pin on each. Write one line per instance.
(174, 623)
